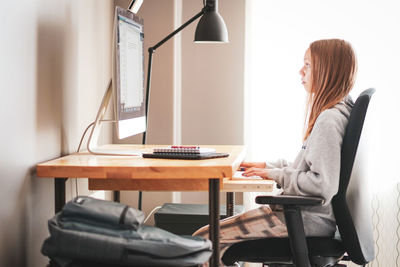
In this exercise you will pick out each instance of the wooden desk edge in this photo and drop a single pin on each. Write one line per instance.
(227, 185)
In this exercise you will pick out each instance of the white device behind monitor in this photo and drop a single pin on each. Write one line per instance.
(127, 86)
(136, 6)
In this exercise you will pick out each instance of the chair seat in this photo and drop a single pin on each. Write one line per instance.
(277, 250)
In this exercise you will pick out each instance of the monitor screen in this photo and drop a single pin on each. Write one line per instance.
(128, 74)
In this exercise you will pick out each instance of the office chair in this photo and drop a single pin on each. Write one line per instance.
(354, 240)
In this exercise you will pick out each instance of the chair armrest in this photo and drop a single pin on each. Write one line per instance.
(294, 222)
(290, 200)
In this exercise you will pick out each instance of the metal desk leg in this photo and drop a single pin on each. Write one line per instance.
(213, 203)
(230, 203)
(59, 193)
(117, 196)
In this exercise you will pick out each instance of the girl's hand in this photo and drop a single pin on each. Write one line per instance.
(246, 165)
(253, 171)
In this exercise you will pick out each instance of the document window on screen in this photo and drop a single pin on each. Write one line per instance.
(131, 84)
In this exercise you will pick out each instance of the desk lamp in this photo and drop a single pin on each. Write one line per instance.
(210, 29)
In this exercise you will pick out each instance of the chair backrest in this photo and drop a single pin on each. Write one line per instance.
(352, 211)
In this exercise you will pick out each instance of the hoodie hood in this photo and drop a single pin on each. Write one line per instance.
(345, 106)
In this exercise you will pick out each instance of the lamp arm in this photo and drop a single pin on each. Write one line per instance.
(169, 36)
(151, 51)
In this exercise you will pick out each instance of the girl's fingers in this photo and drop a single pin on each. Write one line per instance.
(246, 164)
(256, 172)
(250, 172)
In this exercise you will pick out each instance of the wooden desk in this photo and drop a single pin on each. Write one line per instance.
(137, 173)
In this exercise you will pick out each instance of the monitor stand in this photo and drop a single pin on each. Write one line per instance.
(92, 145)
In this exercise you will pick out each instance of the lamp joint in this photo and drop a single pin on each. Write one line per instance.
(206, 9)
(211, 5)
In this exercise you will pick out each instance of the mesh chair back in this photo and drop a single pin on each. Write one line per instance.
(351, 205)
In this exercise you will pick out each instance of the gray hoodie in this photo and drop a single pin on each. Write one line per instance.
(316, 169)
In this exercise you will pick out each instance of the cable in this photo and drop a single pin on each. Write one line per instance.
(87, 128)
(79, 148)
(151, 213)
(83, 136)
(76, 186)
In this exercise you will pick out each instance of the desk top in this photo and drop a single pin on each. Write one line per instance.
(87, 165)
(137, 173)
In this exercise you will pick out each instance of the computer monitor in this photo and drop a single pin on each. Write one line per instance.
(129, 91)
(127, 88)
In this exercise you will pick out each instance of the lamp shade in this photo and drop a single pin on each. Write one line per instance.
(211, 28)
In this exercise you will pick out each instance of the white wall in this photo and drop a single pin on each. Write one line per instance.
(55, 63)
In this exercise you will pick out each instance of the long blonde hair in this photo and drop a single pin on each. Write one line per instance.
(334, 68)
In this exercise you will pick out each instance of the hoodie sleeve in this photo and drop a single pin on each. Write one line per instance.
(322, 159)
(280, 163)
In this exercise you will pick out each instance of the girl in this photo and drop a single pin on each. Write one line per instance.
(328, 76)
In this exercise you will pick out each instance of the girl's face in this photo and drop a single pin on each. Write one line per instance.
(305, 71)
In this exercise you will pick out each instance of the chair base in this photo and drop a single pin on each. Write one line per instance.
(276, 251)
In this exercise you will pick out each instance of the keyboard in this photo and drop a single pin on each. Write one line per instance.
(210, 155)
